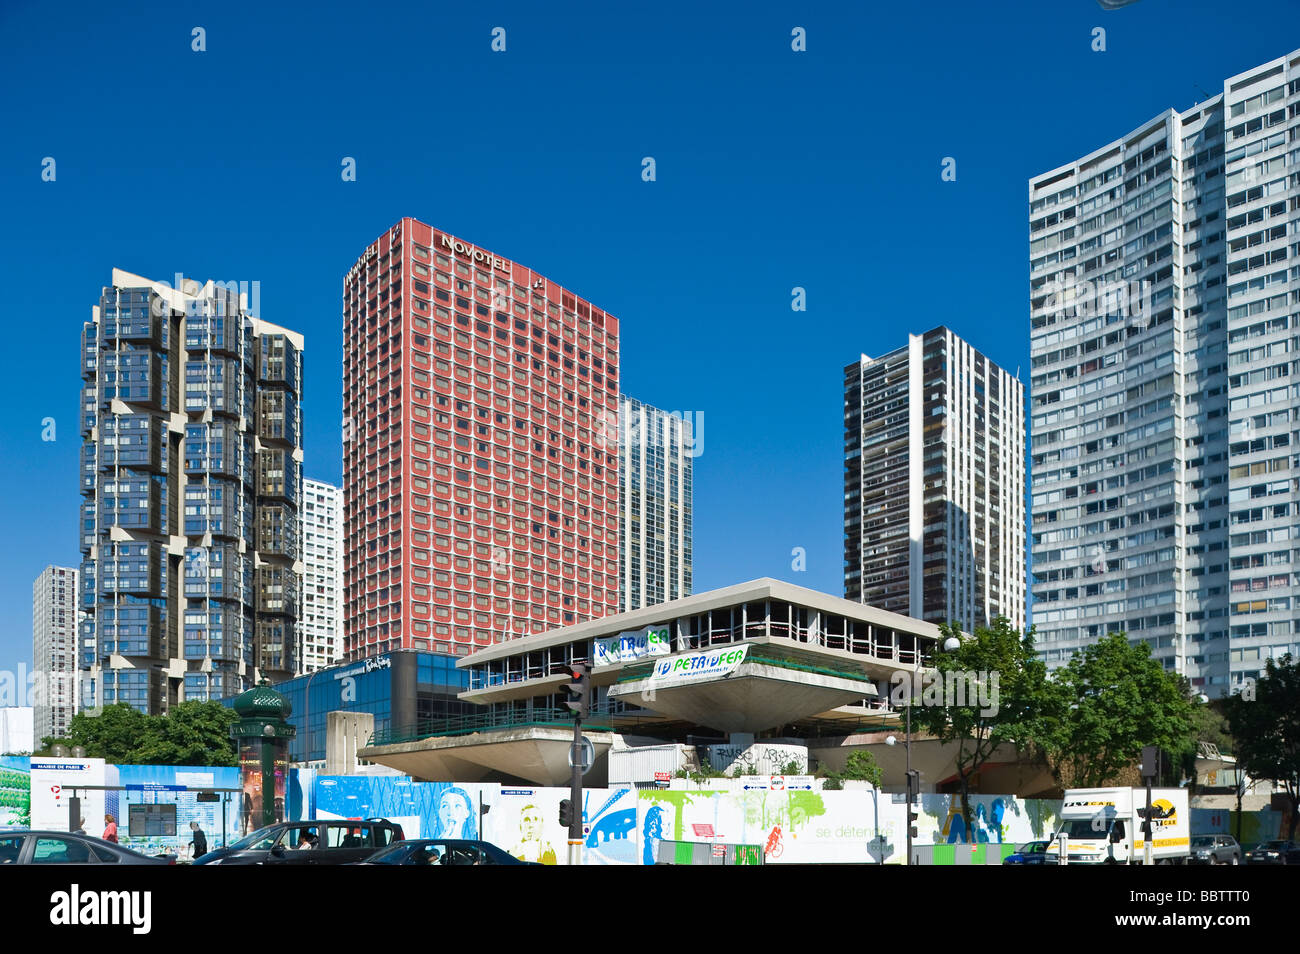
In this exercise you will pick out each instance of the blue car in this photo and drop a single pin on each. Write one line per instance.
(1030, 853)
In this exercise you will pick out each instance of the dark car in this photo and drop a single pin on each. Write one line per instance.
(1215, 850)
(333, 842)
(443, 851)
(64, 848)
(1274, 853)
(1030, 853)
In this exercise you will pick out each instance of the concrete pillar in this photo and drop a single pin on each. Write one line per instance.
(345, 734)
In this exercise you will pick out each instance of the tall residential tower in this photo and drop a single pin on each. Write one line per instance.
(480, 460)
(55, 613)
(1165, 303)
(190, 478)
(321, 623)
(656, 454)
(934, 486)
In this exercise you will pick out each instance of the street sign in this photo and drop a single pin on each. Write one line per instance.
(702, 831)
(586, 755)
(662, 777)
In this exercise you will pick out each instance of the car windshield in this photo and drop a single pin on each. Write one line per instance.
(1084, 828)
(1273, 845)
(1202, 842)
(1032, 848)
(260, 840)
(391, 855)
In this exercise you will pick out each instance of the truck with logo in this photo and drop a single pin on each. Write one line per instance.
(1105, 826)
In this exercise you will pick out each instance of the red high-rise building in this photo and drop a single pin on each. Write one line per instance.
(480, 451)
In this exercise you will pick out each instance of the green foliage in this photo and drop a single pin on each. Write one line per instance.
(1209, 724)
(1104, 706)
(860, 766)
(978, 729)
(192, 733)
(1267, 730)
(793, 767)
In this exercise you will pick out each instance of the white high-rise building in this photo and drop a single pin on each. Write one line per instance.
(55, 615)
(934, 484)
(321, 624)
(1165, 315)
(656, 454)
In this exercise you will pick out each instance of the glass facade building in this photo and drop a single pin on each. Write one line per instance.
(190, 482)
(399, 689)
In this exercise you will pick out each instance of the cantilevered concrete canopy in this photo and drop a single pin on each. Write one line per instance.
(537, 754)
(756, 696)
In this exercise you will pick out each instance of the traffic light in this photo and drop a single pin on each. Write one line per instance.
(566, 813)
(578, 692)
(913, 784)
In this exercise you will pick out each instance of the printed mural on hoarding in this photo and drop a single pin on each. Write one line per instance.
(156, 785)
(55, 780)
(15, 791)
(423, 809)
(526, 823)
(609, 824)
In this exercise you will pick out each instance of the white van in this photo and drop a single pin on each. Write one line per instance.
(1104, 826)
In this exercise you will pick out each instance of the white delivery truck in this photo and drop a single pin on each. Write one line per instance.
(1104, 826)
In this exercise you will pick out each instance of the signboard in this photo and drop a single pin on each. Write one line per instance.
(662, 777)
(719, 851)
(706, 665)
(152, 821)
(702, 831)
(584, 751)
(632, 645)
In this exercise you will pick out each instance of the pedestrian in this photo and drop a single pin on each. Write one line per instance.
(81, 827)
(198, 840)
(110, 828)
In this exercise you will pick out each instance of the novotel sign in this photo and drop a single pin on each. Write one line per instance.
(706, 665)
(476, 254)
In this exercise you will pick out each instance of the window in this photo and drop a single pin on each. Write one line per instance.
(60, 851)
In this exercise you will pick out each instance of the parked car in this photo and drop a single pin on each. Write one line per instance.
(64, 848)
(443, 851)
(332, 842)
(1274, 853)
(1215, 850)
(1030, 853)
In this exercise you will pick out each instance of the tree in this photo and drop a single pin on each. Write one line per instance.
(192, 733)
(985, 693)
(1209, 724)
(860, 765)
(112, 735)
(1267, 730)
(1108, 702)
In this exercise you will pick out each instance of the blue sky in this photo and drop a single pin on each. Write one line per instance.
(775, 169)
